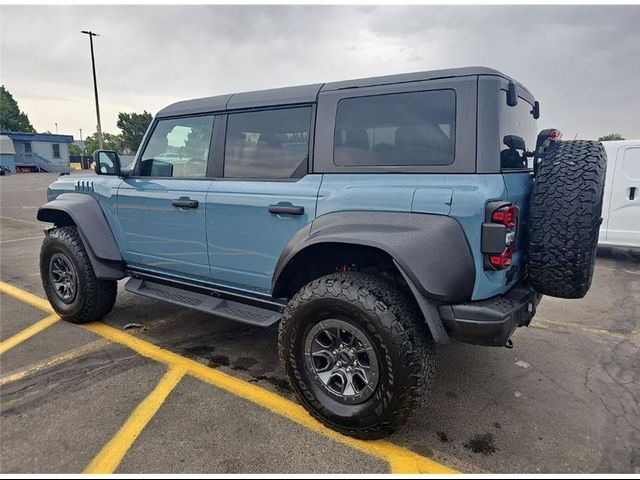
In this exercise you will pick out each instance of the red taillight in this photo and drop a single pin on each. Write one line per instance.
(503, 260)
(555, 134)
(499, 235)
(505, 215)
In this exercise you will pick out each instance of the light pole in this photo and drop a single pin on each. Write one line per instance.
(95, 85)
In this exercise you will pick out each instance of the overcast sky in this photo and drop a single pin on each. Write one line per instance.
(581, 62)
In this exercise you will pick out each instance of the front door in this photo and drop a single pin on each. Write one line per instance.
(265, 197)
(161, 207)
(623, 226)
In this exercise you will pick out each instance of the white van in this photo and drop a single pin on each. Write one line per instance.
(621, 204)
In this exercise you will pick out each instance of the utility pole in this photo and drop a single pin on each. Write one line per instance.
(81, 142)
(95, 84)
(56, 127)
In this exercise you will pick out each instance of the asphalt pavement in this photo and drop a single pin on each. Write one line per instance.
(214, 398)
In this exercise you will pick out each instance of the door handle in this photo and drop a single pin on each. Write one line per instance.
(286, 209)
(184, 203)
(632, 193)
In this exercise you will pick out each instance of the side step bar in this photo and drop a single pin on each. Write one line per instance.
(225, 308)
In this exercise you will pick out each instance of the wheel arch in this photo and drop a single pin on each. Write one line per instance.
(429, 253)
(321, 258)
(59, 218)
(84, 212)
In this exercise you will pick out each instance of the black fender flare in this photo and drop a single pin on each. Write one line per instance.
(430, 251)
(99, 242)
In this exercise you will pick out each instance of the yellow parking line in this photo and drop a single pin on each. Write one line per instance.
(114, 451)
(53, 361)
(25, 296)
(27, 333)
(400, 459)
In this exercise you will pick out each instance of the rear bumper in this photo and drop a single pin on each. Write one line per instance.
(492, 321)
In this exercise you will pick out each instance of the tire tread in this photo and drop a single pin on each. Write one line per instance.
(396, 313)
(565, 216)
(99, 295)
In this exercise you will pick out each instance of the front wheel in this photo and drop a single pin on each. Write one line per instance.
(69, 280)
(357, 353)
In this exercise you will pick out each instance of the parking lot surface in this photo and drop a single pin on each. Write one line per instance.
(157, 388)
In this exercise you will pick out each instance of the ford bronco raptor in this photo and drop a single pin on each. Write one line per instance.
(373, 218)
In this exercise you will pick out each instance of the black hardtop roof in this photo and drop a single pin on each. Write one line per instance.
(309, 93)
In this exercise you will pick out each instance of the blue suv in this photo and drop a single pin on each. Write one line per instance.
(373, 218)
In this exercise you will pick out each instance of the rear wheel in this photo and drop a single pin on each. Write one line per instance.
(357, 353)
(69, 281)
(565, 216)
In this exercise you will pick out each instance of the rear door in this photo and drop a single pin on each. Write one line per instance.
(161, 207)
(264, 197)
(623, 226)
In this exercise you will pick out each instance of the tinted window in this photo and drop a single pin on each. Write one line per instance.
(398, 129)
(517, 123)
(178, 147)
(268, 144)
(56, 150)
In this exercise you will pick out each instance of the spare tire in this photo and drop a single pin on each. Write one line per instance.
(565, 216)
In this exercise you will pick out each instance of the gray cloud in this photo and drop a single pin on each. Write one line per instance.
(581, 62)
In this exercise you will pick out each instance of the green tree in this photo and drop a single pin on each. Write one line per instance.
(133, 126)
(110, 142)
(74, 149)
(196, 144)
(11, 118)
(611, 136)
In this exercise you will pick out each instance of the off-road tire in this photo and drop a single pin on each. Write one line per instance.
(565, 216)
(397, 332)
(94, 298)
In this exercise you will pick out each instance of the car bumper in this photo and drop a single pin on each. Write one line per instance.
(492, 321)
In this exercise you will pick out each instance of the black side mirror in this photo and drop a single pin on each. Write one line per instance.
(106, 162)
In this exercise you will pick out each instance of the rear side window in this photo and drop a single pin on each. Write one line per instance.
(416, 128)
(631, 166)
(518, 132)
(178, 147)
(268, 144)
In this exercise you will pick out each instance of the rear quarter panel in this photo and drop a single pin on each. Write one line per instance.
(461, 196)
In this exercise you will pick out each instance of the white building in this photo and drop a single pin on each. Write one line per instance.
(40, 152)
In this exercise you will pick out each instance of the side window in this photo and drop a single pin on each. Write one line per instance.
(27, 148)
(518, 133)
(56, 150)
(178, 147)
(416, 128)
(268, 144)
(631, 165)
